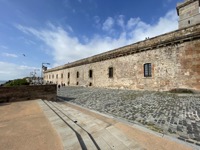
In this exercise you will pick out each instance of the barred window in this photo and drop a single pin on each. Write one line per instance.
(147, 70)
(110, 72)
(68, 75)
(90, 73)
(77, 74)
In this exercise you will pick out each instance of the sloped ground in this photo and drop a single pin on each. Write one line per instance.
(23, 126)
(81, 128)
(162, 112)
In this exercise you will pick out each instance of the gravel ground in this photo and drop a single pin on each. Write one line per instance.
(163, 112)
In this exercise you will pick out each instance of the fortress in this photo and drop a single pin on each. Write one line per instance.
(165, 62)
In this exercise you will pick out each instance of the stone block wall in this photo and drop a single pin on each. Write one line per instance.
(188, 13)
(175, 66)
(23, 93)
(174, 59)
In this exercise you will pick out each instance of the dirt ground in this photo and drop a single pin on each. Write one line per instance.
(23, 126)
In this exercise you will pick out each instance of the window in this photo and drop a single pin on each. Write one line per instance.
(68, 83)
(147, 70)
(76, 83)
(68, 75)
(77, 74)
(90, 84)
(188, 21)
(52, 76)
(57, 76)
(61, 75)
(110, 72)
(90, 73)
(49, 76)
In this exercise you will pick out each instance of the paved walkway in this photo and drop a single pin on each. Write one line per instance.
(172, 114)
(81, 128)
(23, 126)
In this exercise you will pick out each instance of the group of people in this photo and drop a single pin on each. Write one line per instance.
(62, 84)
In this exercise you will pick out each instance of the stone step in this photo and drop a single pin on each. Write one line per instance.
(89, 124)
(83, 136)
(67, 135)
(95, 126)
(131, 144)
(110, 140)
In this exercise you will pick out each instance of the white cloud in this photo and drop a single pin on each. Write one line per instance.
(11, 71)
(9, 55)
(132, 22)
(96, 19)
(166, 3)
(120, 21)
(108, 24)
(66, 48)
(3, 47)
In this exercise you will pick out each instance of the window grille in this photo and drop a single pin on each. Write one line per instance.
(147, 70)
(110, 72)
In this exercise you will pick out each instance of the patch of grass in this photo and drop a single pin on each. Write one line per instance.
(180, 90)
(16, 82)
(153, 127)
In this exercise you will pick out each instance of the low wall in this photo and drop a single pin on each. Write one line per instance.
(23, 93)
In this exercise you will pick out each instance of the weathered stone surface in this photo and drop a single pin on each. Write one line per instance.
(188, 12)
(174, 59)
(163, 112)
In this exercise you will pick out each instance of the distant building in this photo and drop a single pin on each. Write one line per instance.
(164, 62)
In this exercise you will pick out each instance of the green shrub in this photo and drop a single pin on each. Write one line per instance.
(180, 90)
(16, 82)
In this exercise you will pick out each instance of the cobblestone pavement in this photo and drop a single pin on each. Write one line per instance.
(162, 112)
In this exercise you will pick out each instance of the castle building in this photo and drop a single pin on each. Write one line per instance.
(189, 13)
(162, 63)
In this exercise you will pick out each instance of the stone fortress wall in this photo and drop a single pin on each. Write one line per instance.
(162, 63)
(188, 12)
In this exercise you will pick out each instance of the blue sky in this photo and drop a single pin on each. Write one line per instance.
(62, 31)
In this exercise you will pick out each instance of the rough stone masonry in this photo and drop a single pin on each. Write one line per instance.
(169, 61)
(168, 113)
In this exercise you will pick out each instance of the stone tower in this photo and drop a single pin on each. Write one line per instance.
(189, 13)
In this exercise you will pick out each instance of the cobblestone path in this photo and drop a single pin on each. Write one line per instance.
(162, 112)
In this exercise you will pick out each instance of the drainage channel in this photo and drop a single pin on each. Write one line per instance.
(93, 140)
(81, 142)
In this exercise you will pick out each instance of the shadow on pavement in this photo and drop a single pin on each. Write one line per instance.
(66, 98)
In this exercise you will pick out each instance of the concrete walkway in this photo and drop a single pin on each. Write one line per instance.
(81, 128)
(23, 126)
(45, 125)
